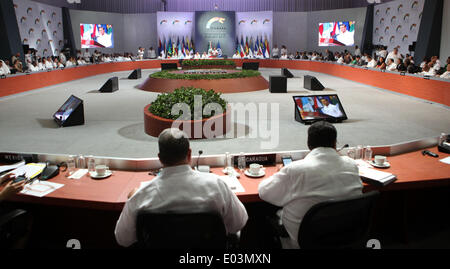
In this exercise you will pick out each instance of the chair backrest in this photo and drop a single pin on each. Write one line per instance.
(169, 230)
(342, 223)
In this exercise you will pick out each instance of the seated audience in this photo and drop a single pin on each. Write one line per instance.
(283, 50)
(151, 53)
(446, 74)
(284, 56)
(381, 64)
(371, 63)
(18, 66)
(275, 52)
(391, 65)
(322, 175)
(394, 55)
(403, 66)
(236, 55)
(4, 68)
(179, 188)
(87, 56)
(357, 51)
(428, 70)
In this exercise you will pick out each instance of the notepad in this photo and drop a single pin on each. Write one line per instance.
(30, 170)
(445, 160)
(40, 188)
(5, 168)
(233, 183)
(375, 177)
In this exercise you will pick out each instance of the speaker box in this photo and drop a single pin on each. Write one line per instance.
(111, 85)
(285, 72)
(312, 83)
(136, 74)
(250, 66)
(169, 66)
(277, 84)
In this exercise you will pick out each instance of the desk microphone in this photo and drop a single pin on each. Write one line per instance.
(343, 147)
(200, 152)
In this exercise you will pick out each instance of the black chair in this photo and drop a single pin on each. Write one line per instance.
(14, 228)
(169, 230)
(338, 224)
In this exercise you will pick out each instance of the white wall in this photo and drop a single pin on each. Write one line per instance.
(140, 31)
(290, 29)
(445, 35)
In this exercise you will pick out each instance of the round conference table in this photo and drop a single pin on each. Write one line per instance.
(431, 89)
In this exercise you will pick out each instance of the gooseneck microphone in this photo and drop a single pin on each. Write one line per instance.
(200, 152)
(343, 147)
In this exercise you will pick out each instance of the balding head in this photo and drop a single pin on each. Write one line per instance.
(174, 147)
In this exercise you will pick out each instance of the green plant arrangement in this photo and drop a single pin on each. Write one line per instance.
(194, 63)
(240, 74)
(163, 104)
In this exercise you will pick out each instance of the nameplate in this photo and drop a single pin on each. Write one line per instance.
(262, 159)
(402, 73)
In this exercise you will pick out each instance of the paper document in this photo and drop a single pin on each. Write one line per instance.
(40, 188)
(31, 170)
(376, 177)
(445, 160)
(78, 174)
(5, 168)
(233, 183)
(362, 163)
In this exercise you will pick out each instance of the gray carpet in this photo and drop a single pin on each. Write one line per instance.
(114, 121)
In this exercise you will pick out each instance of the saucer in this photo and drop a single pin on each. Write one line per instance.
(94, 174)
(261, 173)
(384, 165)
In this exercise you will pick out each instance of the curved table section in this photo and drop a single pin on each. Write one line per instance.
(429, 89)
(227, 85)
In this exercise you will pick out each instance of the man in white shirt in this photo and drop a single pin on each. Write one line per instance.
(383, 52)
(275, 52)
(357, 51)
(391, 65)
(394, 55)
(330, 109)
(322, 175)
(62, 58)
(151, 53)
(346, 37)
(180, 189)
(87, 56)
(446, 74)
(236, 55)
(103, 38)
(371, 63)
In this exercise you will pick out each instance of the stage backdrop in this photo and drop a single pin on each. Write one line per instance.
(397, 23)
(255, 28)
(217, 27)
(40, 26)
(175, 32)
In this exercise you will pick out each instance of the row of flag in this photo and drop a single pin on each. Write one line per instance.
(252, 48)
(169, 48)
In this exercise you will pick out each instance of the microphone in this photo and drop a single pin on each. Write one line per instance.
(200, 152)
(343, 147)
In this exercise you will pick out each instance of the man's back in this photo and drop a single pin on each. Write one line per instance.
(321, 176)
(180, 189)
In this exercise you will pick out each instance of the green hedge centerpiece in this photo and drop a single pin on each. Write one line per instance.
(240, 74)
(163, 104)
(196, 63)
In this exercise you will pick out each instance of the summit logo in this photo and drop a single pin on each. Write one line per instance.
(213, 20)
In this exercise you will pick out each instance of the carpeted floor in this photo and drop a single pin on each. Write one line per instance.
(114, 121)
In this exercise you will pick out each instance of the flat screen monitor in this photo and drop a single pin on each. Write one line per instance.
(66, 109)
(319, 107)
(96, 36)
(338, 33)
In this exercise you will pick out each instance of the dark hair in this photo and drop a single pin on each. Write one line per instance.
(321, 134)
(173, 146)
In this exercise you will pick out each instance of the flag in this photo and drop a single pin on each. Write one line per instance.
(164, 49)
(169, 47)
(183, 50)
(159, 46)
(246, 45)
(267, 50)
(177, 46)
(242, 50)
(219, 50)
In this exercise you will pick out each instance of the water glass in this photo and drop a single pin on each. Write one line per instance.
(91, 163)
(241, 162)
(71, 167)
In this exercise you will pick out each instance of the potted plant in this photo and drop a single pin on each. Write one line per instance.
(208, 64)
(198, 112)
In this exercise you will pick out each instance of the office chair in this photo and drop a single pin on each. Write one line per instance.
(169, 230)
(342, 223)
(14, 227)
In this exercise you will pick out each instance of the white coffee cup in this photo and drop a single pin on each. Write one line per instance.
(101, 169)
(379, 159)
(255, 168)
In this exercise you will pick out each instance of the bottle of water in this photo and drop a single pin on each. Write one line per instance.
(71, 167)
(241, 162)
(227, 160)
(442, 139)
(359, 153)
(368, 154)
(91, 163)
(81, 162)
